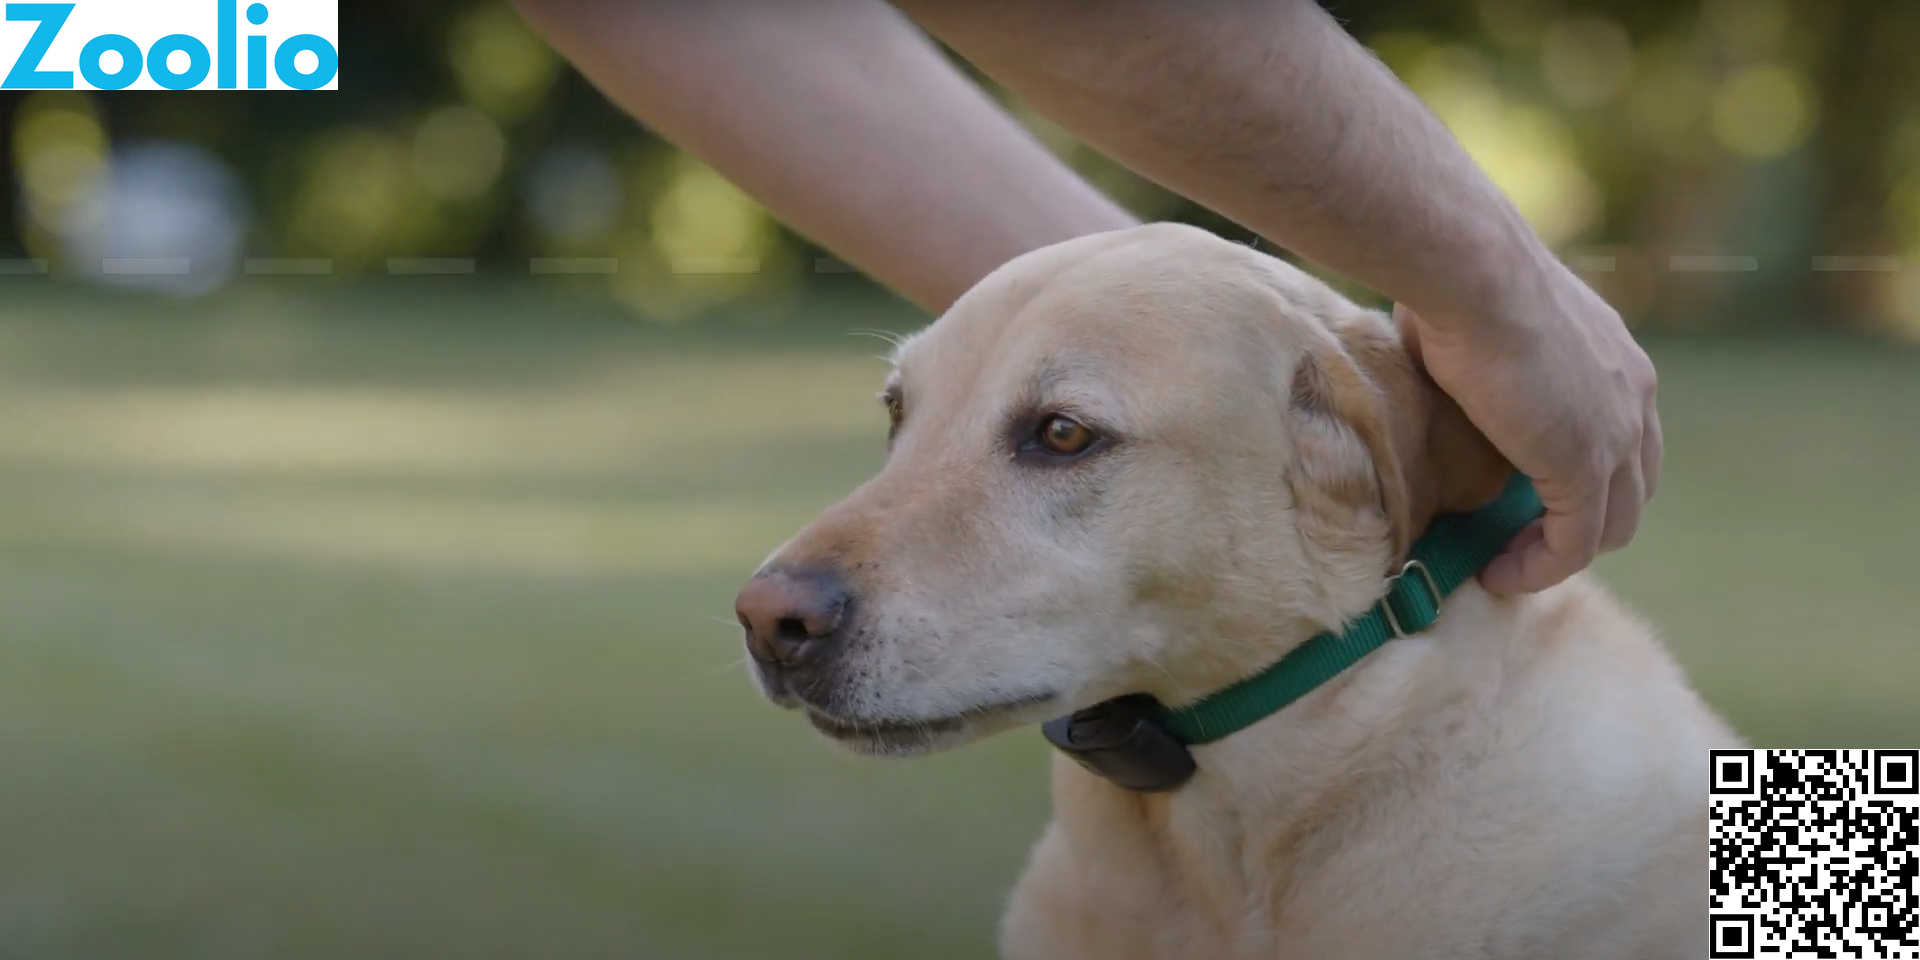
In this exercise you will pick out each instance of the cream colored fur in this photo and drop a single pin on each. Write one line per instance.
(1527, 778)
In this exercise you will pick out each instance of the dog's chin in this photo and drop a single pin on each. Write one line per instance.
(903, 737)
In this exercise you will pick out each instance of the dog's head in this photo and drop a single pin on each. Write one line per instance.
(1146, 460)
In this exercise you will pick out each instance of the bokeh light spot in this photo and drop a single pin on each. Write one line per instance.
(1762, 111)
(573, 193)
(1670, 92)
(175, 206)
(500, 65)
(59, 150)
(357, 199)
(458, 153)
(703, 224)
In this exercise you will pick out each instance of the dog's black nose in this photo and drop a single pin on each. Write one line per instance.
(791, 615)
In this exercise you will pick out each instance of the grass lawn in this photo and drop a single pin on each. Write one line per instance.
(398, 623)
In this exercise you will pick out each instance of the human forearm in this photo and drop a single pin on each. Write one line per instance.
(844, 121)
(1267, 111)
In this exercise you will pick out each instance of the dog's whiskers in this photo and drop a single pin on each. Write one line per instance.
(890, 338)
(734, 664)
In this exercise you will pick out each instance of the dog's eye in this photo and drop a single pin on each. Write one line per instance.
(1064, 436)
(894, 411)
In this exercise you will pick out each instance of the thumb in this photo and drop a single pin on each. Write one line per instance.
(1550, 550)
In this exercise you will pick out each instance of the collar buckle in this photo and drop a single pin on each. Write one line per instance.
(1420, 612)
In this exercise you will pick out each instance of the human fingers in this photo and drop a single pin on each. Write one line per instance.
(1626, 494)
(1566, 540)
(1650, 452)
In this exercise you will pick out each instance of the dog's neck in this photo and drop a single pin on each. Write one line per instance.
(1286, 789)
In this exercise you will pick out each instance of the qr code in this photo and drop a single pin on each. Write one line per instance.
(1812, 853)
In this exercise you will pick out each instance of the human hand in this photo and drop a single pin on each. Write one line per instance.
(1552, 377)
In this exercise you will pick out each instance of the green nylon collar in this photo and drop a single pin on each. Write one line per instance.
(1452, 551)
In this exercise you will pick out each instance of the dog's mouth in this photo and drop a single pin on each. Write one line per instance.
(900, 736)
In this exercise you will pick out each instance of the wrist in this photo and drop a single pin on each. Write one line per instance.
(1505, 278)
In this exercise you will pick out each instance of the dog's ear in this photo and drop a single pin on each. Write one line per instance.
(1379, 449)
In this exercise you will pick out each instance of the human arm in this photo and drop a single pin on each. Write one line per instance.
(845, 121)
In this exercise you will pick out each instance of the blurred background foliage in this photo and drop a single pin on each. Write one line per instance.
(1628, 133)
(369, 615)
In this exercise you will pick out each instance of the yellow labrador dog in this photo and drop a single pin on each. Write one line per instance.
(1148, 465)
